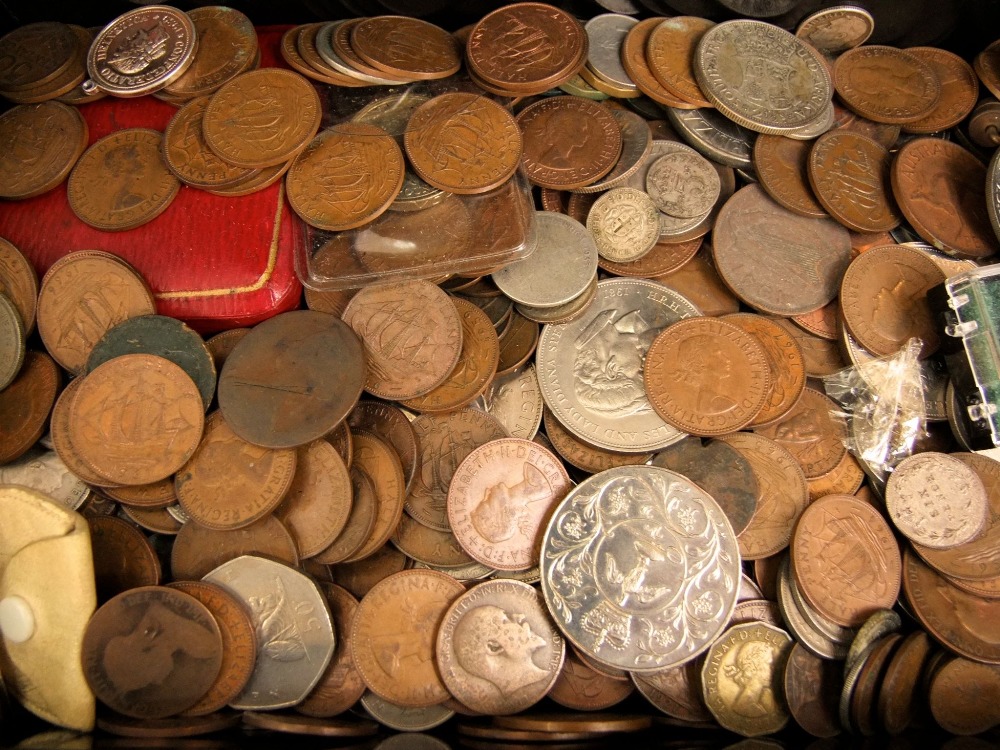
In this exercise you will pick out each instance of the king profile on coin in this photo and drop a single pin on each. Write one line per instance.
(608, 366)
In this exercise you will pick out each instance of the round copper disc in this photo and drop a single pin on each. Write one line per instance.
(813, 431)
(25, 405)
(886, 84)
(782, 168)
(198, 550)
(406, 47)
(959, 90)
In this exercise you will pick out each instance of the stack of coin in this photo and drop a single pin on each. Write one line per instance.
(43, 61)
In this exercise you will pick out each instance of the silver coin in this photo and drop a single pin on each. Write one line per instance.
(497, 650)
(11, 341)
(404, 719)
(295, 638)
(560, 268)
(817, 127)
(837, 633)
(684, 185)
(637, 140)
(590, 370)
(640, 568)
(714, 136)
(44, 471)
(563, 313)
(670, 226)
(760, 8)
(838, 29)
(515, 400)
(605, 34)
(761, 76)
(625, 224)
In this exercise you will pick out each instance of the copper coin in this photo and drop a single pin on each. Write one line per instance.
(688, 379)
(341, 685)
(155, 521)
(377, 460)
(35, 53)
(491, 733)
(406, 47)
(975, 560)
(961, 621)
(699, 282)
(41, 143)
(239, 644)
(347, 176)
(62, 443)
(670, 55)
(310, 725)
(813, 431)
(665, 257)
(151, 652)
(19, 282)
(437, 549)
(782, 167)
(845, 479)
(25, 405)
(500, 499)
(393, 635)
(360, 522)
(475, 369)
(198, 550)
(360, 577)
(172, 727)
(575, 722)
(963, 697)
(292, 379)
(188, 156)
(761, 252)
(517, 344)
(318, 502)
(782, 498)
(227, 46)
(136, 419)
(845, 559)
(412, 335)
(151, 496)
(255, 183)
(121, 182)
(300, 49)
(812, 689)
(938, 185)
(332, 302)
(229, 483)
(463, 143)
(821, 355)
(82, 296)
(675, 691)
(568, 142)
(898, 699)
(352, 63)
(221, 345)
(123, 557)
(636, 64)
(883, 299)
(849, 174)
(557, 42)
(582, 455)
(262, 118)
(886, 84)
(959, 90)
(823, 322)
(785, 362)
(719, 469)
(580, 688)
(390, 424)
(861, 713)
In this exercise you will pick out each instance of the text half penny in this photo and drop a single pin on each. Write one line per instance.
(189, 157)
(25, 405)
(292, 379)
(229, 483)
(706, 377)
(406, 46)
(782, 168)
(198, 550)
(863, 76)
(379, 462)
(151, 652)
(393, 636)
(813, 431)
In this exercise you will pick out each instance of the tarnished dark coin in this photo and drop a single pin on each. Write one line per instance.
(886, 84)
(812, 689)
(41, 143)
(899, 699)
(389, 423)
(360, 523)
(25, 405)
(292, 379)
(123, 557)
(172, 727)
(198, 550)
(34, 54)
(227, 46)
(12, 336)
(151, 652)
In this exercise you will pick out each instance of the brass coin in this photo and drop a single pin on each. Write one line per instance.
(188, 156)
(121, 182)
(25, 405)
(227, 46)
(262, 118)
(198, 550)
(123, 557)
(40, 145)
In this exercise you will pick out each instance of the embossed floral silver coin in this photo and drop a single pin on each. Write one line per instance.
(640, 568)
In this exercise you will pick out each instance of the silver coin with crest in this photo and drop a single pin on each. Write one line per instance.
(640, 568)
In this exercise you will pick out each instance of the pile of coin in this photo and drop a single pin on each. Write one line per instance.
(608, 466)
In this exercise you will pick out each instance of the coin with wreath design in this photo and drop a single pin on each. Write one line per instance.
(640, 568)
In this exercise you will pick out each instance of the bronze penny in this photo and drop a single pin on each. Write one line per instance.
(568, 142)
(823, 322)
(939, 187)
(412, 334)
(360, 522)
(849, 174)
(861, 708)
(813, 431)
(490, 734)
(393, 634)
(292, 380)
(961, 621)
(407, 47)
(221, 345)
(299, 49)
(501, 498)
(782, 498)
(898, 700)
(34, 54)
(198, 550)
(785, 363)
(377, 460)
(666, 257)
(670, 54)
(41, 143)
(436, 549)
(688, 371)
(360, 577)
(959, 90)
(633, 55)
(341, 685)
(239, 644)
(777, 261)
(845, 479)
(155, 521)
(136, 419)
(962, 697)
(255, 183)
(347, 176)
(354, 65)
(333, 302)
(845, 559)
(19, 282)
(151, 652)
(883, 299)
(25, 405)
(62, 443)
(82, 296)
(675, 691)
(584, 456)
(782, 169)
(262, 118)
(188, 156)
(123, 557)
(229, 483)
(463, 143)
(599, 723)
(863, 76)
(812, 689)
(390, 424)
(227, 46)
(580, 688)
(310, 725)
(164, 337)
(517, 344)
(150, 496)
(318, 502)
(172, 727)
(121, 182)
(719, 469)
(699, 282)
(822, 356)
(557, 42)
(475, 369)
